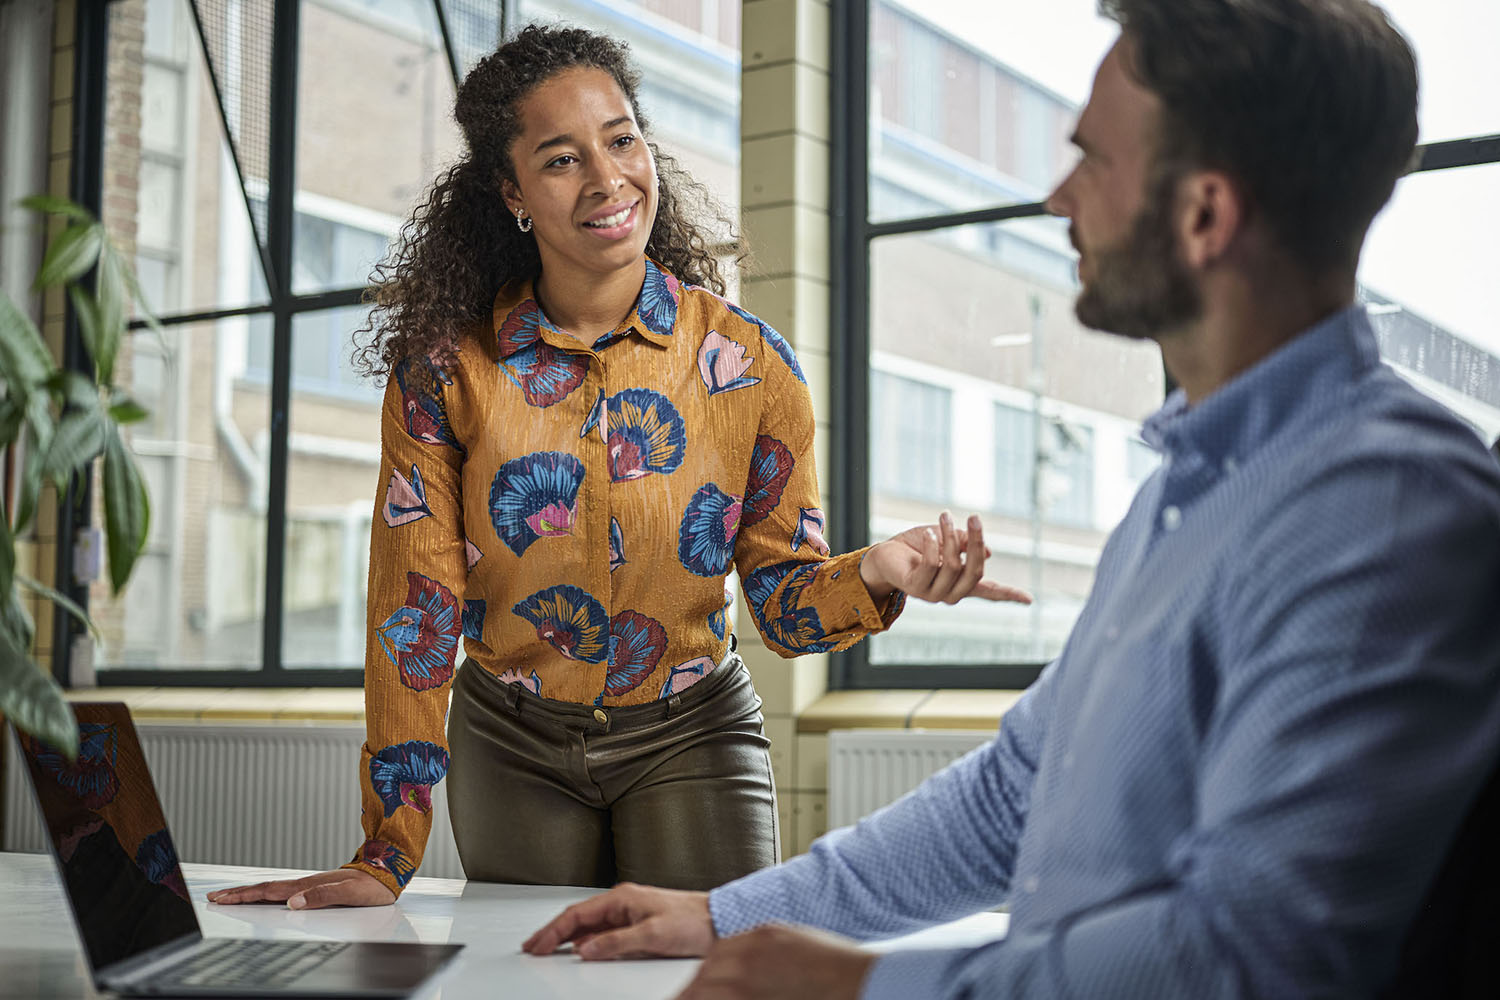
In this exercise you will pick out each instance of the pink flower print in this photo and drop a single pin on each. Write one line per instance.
(532, 683)
(722, 364)
(810, 525)
(552, 520)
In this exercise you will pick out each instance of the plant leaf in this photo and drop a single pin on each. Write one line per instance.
(15, 620)
(111, 299)
(127, 512)
(60, 599)
(25, 362)
(86, 308)
(10, 421)
(31, 469)
(133, 285)
(32, 701)
(124, 409)
(49, 205)
(7, 550)
(75, 250)
(74, 389)
(79, 439)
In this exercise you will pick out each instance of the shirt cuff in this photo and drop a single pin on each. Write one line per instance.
(734, 908)
(848, 599)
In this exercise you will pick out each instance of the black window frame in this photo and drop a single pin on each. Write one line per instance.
(852, 234)
(91, 34)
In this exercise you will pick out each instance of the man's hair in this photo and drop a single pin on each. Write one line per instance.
(1310, 105)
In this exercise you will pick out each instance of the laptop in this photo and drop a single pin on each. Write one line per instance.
(131, 905)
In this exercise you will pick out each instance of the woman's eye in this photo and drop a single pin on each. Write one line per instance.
(561, 161)
(625, 140)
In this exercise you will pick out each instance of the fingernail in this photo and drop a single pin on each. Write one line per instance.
(297, 902)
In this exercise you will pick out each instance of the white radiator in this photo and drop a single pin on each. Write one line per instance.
(261, 794)
(869, 768)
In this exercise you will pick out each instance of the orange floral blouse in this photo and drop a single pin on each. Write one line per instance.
(570, 513)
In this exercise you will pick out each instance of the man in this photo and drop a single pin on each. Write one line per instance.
(1242, 774)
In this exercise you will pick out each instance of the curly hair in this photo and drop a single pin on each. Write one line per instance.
(460, 246)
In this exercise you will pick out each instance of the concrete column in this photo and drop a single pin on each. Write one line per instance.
(784, 166)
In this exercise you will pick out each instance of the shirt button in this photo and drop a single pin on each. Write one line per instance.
(1112, 633)
(1230, 465)
(600, 716)
(1171, 517)
(1031, 885)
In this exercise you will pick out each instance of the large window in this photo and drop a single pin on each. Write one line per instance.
(951, 125)
(258, 158)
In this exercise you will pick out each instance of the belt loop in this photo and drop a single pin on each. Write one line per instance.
(674, 705)
(734, 642)
(512, 695)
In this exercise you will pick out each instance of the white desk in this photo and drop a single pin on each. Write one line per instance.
(41, 958)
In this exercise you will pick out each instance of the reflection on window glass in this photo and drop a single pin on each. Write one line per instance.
(172, 197)
(196, 598)
(332, 476)
(1428, 277)
(971, 105)
(374, 126)
(982, 317)
(910, 437)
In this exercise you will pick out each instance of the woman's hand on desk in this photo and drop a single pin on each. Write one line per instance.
(630, 921)
(341, 887)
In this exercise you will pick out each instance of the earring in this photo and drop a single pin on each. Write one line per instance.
(523, 222)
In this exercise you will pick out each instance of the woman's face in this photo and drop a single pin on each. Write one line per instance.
(584, 173)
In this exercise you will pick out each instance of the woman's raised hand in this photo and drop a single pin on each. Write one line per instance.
(935, 562)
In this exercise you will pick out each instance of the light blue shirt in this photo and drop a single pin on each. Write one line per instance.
(1243, 771)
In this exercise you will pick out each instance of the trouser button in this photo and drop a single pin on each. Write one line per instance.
(600, 716)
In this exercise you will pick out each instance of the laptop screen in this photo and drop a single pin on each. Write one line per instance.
(110, 838)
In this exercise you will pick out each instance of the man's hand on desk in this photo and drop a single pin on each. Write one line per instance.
(637, 921)
(630, 921)
(340, 887)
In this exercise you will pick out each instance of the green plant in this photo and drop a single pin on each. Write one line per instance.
(63, 420)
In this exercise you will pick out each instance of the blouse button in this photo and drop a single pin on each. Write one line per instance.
(600, 716)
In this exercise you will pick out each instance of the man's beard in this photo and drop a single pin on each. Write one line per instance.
(1140, 288)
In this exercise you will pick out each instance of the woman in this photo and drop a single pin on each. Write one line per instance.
(580, 440)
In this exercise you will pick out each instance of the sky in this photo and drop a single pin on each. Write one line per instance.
(1434, 248)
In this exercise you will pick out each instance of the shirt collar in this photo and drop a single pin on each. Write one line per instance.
(519, 321)
(1269, 396)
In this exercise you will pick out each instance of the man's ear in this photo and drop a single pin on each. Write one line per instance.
(1210, 214)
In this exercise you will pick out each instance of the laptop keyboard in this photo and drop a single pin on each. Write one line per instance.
(265, 964)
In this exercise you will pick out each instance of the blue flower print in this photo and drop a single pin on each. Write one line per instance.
(636, 643)
(474, 620)
(388, 858)
(535, 496)
(570, 620)
(771, 465)
(705, 542)
(421, 637)
(646, 434)
(658, 302)
(403, 775)
(421, 383)
(796, 628)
